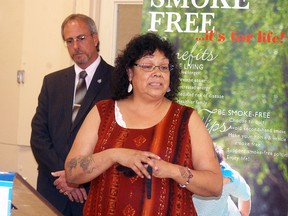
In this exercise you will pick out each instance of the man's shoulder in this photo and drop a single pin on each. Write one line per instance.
(104, 64)
(60, 73)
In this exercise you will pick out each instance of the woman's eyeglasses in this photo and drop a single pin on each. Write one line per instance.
(150, 68)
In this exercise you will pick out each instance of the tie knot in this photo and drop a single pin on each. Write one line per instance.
(82, 75)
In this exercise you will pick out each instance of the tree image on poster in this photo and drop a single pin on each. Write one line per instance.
(234, 60)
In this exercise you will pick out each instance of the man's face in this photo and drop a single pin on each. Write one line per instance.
(81, 43)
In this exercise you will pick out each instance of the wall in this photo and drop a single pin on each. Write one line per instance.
(31, 41)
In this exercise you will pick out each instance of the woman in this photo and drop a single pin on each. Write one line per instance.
(144, 128)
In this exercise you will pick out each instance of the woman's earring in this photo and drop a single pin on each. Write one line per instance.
(130, 87)
(168, 90)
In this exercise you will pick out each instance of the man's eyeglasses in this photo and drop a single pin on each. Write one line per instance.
(150, 68)
(79, 39)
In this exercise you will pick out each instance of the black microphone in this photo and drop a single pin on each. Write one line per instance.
(149, 183)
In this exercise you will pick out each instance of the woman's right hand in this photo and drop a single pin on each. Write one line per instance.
(137, 160)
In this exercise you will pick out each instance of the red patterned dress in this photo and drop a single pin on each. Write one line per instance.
(112, 193)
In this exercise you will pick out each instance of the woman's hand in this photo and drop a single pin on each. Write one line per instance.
(164, 169)
(137, 160)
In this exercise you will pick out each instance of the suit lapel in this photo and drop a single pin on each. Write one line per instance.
(68, 92)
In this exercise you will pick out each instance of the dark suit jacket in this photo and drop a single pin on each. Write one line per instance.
(52, 131)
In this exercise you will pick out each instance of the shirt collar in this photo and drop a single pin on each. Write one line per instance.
(90, 69)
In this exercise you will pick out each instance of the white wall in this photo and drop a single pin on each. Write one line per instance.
(31, 41)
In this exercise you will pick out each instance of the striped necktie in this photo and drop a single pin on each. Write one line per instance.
(81, 90)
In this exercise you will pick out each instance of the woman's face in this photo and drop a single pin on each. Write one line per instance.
(148, 80)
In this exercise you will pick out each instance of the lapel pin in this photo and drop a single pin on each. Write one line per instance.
(99, 80)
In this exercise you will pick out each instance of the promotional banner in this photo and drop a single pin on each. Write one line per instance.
(234, 59)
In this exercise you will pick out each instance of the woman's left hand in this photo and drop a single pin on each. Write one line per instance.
(164, 169)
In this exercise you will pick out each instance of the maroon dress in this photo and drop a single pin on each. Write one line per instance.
(112, 193)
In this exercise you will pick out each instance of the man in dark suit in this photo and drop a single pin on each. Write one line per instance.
(53, 130)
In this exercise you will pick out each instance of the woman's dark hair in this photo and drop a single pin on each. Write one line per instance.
(137, 48)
